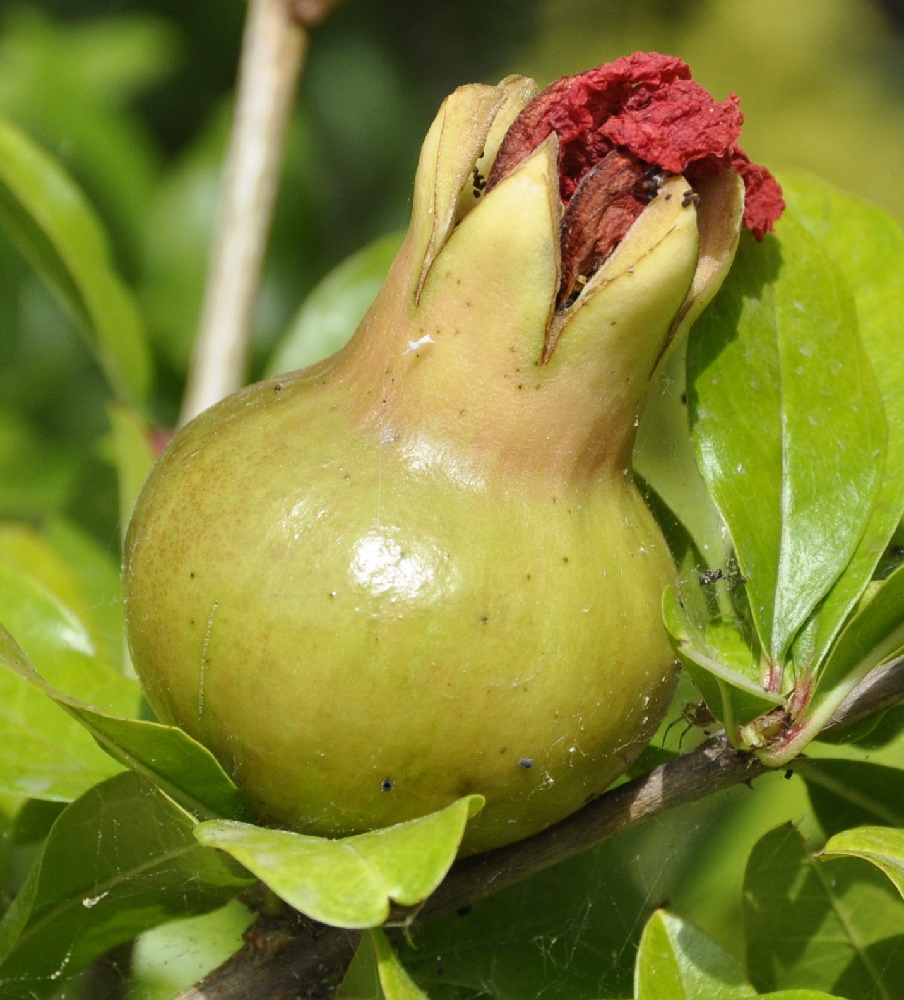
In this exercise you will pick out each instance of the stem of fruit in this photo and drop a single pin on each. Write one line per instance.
(820, 715)
(273, 49)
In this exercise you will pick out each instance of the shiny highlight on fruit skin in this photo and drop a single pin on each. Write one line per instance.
(387, 581)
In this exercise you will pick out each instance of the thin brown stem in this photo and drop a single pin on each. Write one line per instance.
(273, 49)
(309, 964)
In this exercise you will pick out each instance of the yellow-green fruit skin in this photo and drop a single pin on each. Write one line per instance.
(362, 632)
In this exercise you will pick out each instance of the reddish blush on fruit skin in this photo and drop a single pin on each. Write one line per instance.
(159, 438)
(645, 105)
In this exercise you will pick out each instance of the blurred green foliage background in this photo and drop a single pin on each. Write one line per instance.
(133, 97)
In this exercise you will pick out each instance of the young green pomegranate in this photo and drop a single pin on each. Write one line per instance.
(421, 568)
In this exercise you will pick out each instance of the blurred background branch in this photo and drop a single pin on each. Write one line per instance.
(273, 50)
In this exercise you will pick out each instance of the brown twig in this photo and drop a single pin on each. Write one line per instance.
(273, 49)
(308, 965)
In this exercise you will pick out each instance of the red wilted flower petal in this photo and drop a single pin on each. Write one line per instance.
(647, 105)
(676, 126)
(763, 202)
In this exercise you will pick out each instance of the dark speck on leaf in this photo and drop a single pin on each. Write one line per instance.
(387, 784)
(526, 762)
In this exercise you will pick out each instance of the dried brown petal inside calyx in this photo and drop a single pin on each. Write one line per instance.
(603, 207)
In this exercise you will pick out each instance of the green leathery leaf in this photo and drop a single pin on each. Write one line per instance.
(42, 753)
(873, 635)
(734, 698)
(847, 793)
(664, 458)
(333, 310)
(394, 980)
(880, 845)
(788, 424)
(168, 757)
(73, 569)
(352, 881)
(677, 961)
(96, 569)
(119, 860)
(49, 219)
(788, 893)
(53, 635)
(799, 995)
(868, 247)
(34, 820)
(165, 755)
(362, 978)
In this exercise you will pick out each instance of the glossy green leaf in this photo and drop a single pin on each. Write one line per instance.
(165, 755)
(167, 960)
(71, 568)
(54, 636)
(881, 846)
(47, 216)
(873, 635)
(34, 820)
(394, 980)
(664, 458)
(42, 753)
(799, 995)
(349, 882)
(846, 793)
(677, 961)
(119, 860)
(867, 245)
(168, 757)
(733, 697)
(788, 424)
(362, 978)
(812, 925)
(873, 732)
(96, 569)
(333, 310)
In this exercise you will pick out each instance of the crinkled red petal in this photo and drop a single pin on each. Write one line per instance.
(676, 126)
(645, 104)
